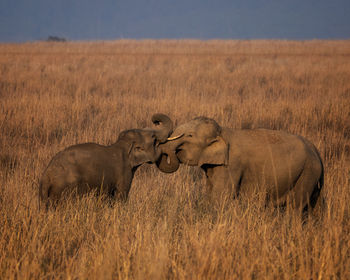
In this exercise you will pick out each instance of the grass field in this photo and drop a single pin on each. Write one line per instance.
(53, 95)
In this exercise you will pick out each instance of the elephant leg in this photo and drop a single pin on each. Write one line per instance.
(307, 189)
(55, 193)
(120, 192)
(221, 183)
(123, 188)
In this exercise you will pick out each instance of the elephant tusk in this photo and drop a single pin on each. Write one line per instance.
(175, 137)
(168, 160)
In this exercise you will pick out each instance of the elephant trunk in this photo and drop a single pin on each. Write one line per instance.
(165, 126)
(168, 162)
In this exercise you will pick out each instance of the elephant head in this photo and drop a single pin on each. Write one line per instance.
(195, 143)
(143, 144)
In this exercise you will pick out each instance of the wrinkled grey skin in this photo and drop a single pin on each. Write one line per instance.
(109, 169)
(245, 162)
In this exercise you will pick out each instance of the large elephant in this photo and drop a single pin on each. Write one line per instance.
(282, 166)
(110, 169)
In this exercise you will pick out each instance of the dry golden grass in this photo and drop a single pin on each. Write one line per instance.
(58, 94)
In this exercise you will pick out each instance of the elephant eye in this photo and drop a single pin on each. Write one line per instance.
(189, 135)
(139, 149)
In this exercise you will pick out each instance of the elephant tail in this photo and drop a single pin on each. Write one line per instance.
(319, 185)
(321, 181)
(44, 192)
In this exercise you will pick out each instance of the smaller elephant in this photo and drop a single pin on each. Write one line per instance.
(108, 169)
(283, 166)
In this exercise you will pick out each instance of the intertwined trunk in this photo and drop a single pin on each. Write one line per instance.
(168, 162)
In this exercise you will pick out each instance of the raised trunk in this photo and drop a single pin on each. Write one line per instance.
(164, 126)
(168, 162)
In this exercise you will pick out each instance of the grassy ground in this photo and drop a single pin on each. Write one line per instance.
(57, 94)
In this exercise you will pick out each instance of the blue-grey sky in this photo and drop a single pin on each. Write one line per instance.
(28, 20)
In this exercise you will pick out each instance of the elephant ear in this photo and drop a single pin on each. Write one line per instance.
(131, 154)
(134, 160)
(217, 152)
